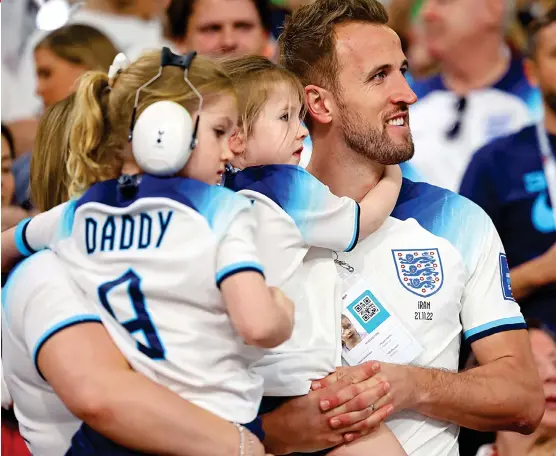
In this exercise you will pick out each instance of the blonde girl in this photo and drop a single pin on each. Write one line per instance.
(169, 260)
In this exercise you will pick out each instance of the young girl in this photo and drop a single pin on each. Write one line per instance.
(170, 261)
(295, 212)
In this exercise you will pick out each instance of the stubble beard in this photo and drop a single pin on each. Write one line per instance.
(372, 143)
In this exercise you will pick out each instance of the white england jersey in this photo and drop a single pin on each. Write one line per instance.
(439, 266)
(440, 158)
(153, 262)
(295, 211)
(39, 300)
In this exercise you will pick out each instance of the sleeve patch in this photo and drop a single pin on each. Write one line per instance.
(505, 278)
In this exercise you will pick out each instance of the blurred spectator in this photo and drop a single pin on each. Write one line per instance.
(60, 59)
(508, 180)
(481, 93)
(11, 214)
(221, 27)
(66, 54)
(543, 441)
(132, 25)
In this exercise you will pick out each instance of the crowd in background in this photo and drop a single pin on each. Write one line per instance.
(483, 83)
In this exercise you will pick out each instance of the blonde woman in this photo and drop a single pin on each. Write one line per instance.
(61, 365)
(67, 53)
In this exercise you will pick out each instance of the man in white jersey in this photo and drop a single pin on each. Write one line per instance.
(352, 67)
(480, 94)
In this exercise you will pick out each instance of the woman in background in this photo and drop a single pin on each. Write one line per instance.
(64, 55)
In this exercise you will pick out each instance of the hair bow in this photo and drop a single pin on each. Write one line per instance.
(120, 63)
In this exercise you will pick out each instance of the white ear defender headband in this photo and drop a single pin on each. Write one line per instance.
(164, 136)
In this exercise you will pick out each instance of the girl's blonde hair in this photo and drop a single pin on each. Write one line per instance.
(49, 179)
(254, 78)
(81, 45)
(102, 113)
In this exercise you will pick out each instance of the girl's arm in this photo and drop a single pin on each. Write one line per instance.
(31, 235)
(262, 316)
(379, 203)
(381, 441)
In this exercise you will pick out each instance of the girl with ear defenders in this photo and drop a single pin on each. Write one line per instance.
(167, 256)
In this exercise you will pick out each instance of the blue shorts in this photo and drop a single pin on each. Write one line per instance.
(270, 403)
(88, 442)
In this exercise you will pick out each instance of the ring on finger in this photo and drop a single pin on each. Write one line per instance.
(373, 408)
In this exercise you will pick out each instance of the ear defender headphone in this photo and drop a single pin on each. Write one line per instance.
(164, 135)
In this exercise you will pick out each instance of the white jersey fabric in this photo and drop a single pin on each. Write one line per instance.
(437, 264)
(39, 300)
(295, 211)
(486, 114)
(152, 263)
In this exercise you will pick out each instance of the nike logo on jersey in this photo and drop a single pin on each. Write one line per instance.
(541, 214)
(122, 232)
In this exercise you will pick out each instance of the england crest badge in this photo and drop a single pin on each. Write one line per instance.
(419, 270)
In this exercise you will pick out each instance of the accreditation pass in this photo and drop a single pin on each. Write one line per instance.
(370, 332)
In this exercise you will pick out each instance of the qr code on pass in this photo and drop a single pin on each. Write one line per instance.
(366, 309)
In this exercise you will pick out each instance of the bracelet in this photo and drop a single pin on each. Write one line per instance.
(240, 429)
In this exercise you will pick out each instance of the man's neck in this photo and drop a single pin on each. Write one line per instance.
(475, 68)
(346, 172)
(549, 120)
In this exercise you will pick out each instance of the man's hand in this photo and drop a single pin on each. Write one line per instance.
(347, 402)
(300, 425)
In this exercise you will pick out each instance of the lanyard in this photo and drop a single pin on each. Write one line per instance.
(549, 165)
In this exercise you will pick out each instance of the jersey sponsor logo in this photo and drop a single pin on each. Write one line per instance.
(541, 214)
(505, 278)
(419, 270)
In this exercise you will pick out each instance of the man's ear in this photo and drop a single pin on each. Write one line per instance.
(320, 105)
(238, 142)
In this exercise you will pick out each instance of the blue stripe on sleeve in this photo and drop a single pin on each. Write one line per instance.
(20, 242)
(493, 327)
(355, 238)
(77, 319)
(232, 269)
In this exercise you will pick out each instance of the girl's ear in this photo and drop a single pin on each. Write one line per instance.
(238, 142)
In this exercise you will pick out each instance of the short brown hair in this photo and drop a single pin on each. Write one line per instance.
(536, 27)
(307, 44)
(254, 78)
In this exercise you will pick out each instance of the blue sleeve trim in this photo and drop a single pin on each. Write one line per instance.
(504, 324)
(21, 241)
(235, 268)
(356, 229)
(76, 320)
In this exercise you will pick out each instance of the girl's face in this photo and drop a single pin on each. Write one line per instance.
(56, 77)
(208, 161)
(277, 135)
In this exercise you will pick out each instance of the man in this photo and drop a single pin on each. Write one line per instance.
(221, 27)
(508, 180)
(353, 68)
(481, 93)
